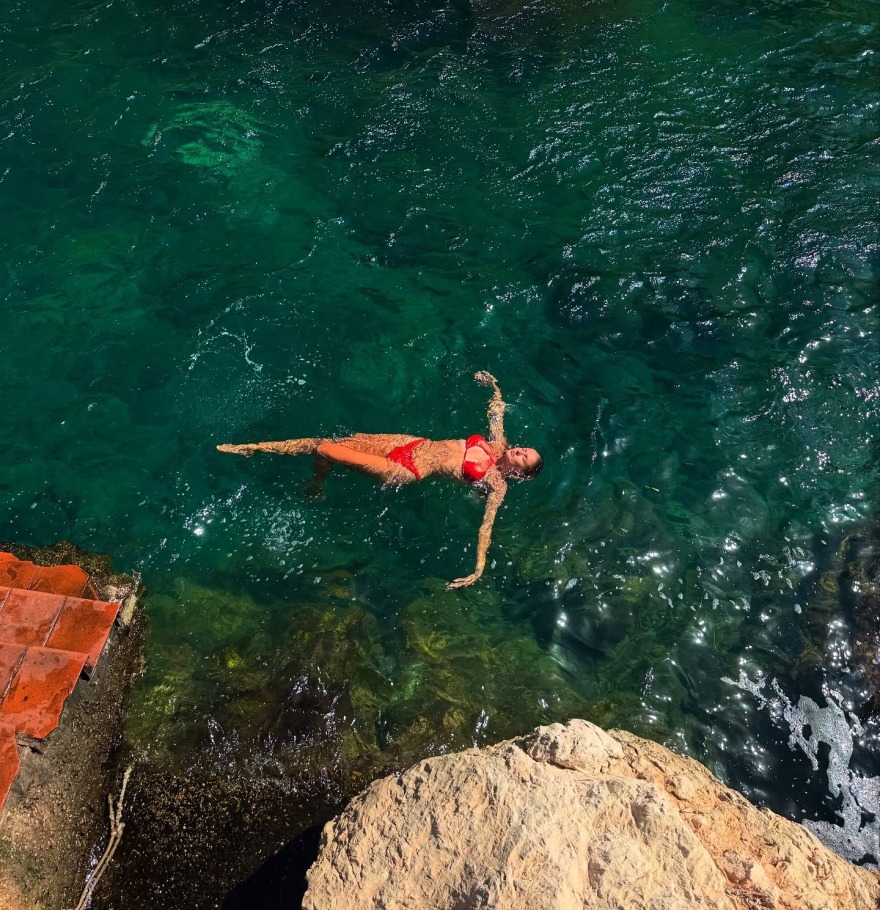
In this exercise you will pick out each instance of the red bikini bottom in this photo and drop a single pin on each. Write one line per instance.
(403, 455)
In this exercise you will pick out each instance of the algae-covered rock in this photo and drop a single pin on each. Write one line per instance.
(861, 584)
(848, 585)
(466, 675)
(214, 135)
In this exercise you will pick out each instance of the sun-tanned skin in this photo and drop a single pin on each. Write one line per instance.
(366, 453)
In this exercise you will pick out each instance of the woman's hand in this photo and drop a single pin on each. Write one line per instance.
(463, 582)
(485, 378)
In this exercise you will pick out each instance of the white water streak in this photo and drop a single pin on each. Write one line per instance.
(837, 728)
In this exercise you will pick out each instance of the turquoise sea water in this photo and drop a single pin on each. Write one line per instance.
(655, 222)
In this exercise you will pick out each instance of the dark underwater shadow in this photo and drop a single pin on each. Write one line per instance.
(281, 881)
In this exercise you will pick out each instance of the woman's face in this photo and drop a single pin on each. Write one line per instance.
(519, 460)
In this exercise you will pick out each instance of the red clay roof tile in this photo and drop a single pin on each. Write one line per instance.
(83, 625)
(43, 605)
(59, 580)
(27, 617)
(10, 658)
(17, 574)
(44, 680)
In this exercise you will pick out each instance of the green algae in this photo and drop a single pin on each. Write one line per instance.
(455, 678)
(215, 136)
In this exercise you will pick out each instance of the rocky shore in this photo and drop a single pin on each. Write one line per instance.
(569, 817)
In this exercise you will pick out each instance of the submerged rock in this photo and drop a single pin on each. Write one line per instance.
(572, 817)
(861, 589)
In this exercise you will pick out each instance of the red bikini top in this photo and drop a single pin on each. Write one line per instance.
(473, 470)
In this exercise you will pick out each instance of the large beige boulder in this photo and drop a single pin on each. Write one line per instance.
(572, 817)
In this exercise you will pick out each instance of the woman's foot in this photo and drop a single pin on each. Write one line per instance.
(247, 449)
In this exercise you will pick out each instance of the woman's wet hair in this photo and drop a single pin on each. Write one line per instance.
(533, 471)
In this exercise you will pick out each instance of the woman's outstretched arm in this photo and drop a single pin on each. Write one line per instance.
(484, 538)
(496, 408)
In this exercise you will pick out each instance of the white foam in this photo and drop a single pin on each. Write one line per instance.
(837, 728)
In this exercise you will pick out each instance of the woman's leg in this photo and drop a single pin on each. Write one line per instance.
(321, 468)
(369, 443)
(378, 444)
(374, 447)
(378, 466)
(306, 446)
(375, 443)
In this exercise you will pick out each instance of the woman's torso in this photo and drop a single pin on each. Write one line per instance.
(455, 458)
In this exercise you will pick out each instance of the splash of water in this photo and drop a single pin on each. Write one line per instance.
(857, 836)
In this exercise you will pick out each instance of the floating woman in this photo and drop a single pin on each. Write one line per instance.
(398, 459)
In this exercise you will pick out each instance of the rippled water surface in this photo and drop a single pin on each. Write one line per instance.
(655, 222)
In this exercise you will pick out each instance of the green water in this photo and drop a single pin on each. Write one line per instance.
(655, 222)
